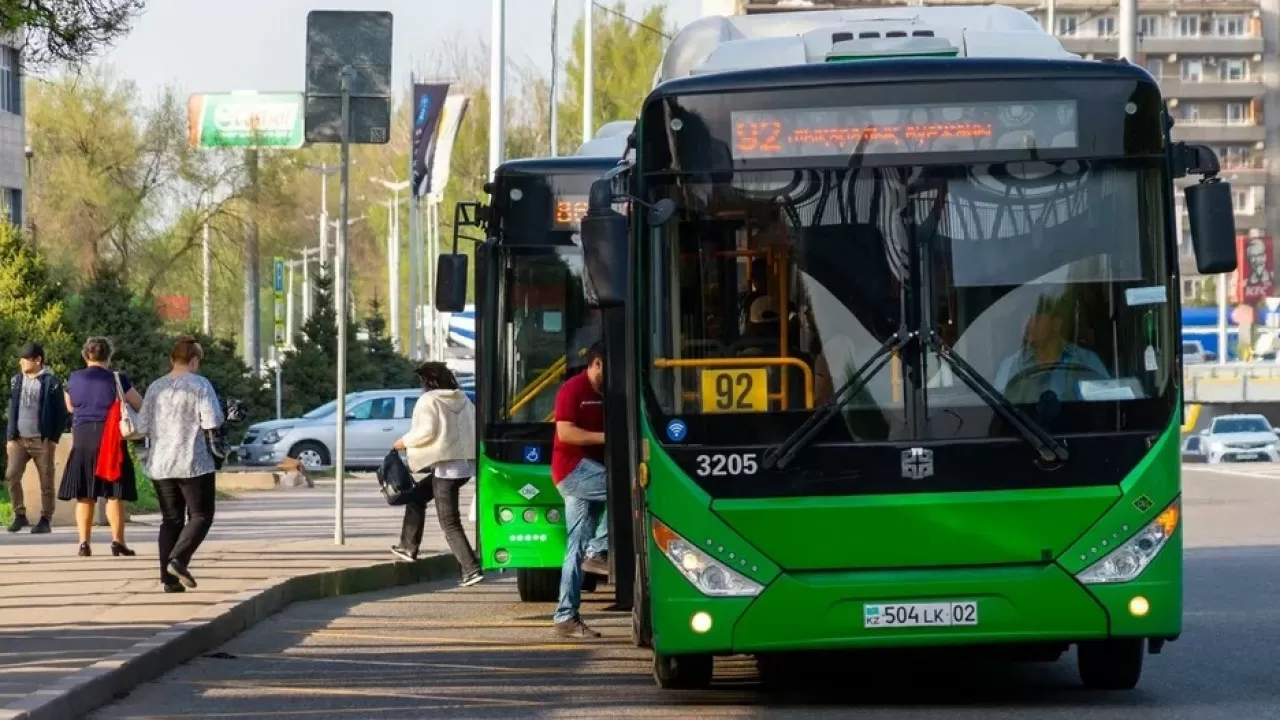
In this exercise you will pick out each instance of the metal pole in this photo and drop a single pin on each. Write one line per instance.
(1220, 284)
(555, 71)
(206, 283)
(1051, 17)
(288, 308)
(588, 68)
(1129, 30)
(324, 223)
(279, 385)
(497, 85)
(415, 277)
(393, 270)
(306, 287)
(252, 328)
(340, 285)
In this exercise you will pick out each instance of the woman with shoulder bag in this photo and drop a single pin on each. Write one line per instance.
(441, 442)
(179, 413)
(99, 465)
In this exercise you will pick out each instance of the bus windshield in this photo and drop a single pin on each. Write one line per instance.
(543, 314)
(1046, 280)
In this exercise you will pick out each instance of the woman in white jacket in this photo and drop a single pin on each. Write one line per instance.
(441, 442)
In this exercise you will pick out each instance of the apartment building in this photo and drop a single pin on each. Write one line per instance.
(13, 133)
(1217, 63)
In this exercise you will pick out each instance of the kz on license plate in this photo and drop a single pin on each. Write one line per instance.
(944, 614)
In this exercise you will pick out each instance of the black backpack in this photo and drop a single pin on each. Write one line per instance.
(395, 479)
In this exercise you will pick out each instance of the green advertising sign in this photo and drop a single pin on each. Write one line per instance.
(246, 120)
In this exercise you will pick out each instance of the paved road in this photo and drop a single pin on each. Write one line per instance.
(476, 653)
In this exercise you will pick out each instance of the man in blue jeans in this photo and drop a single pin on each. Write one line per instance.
(577, 456)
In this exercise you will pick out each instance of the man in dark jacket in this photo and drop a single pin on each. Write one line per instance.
(37, 419)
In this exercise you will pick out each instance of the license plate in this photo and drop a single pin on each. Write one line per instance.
(944, 614)
(1246, 456)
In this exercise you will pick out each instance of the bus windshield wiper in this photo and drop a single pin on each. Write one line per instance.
(784, 452)
(1050, 450)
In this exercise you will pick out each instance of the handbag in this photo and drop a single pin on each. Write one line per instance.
(129, 424)
(395, 480)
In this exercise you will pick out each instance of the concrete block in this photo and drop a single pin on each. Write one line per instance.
(247, 480)
(64, 513)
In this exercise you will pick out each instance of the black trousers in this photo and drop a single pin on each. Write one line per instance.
(445, 492)
(179, 539)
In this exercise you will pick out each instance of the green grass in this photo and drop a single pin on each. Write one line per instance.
(6, 507)
(147, 502)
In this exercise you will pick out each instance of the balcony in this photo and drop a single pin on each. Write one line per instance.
(1215, 132)
(1163, 46)
(1211, 89)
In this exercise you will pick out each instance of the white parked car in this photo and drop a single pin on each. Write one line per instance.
(1240, 438)
(375, 418)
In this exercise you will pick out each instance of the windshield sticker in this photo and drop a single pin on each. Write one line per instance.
(1104, 390)
(1154, 295)
(677, 430)
(1149, 359)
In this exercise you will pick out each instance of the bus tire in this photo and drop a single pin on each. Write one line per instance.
(538, 585)
(1111, 664)
(682, 672)
(641, 627)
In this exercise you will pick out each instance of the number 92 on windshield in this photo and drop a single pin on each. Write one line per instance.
(936, 614)
(731, 390)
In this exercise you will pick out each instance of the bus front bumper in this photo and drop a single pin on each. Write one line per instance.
(801, 611)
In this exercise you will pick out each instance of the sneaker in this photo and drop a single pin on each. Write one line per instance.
(576, 629)
(403, 554)
(173, 587)
(19, 522)
(42, 527)
(471, 579)
(596, 565)
(184, 575)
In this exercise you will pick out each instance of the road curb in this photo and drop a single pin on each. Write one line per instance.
(92, 687)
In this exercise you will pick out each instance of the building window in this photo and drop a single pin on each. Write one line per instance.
(1155, 66)
(1192, 70)
(1188, 26)
(1242, 201)
(1190, 112)
(1233, 70)
(1236, 157)
(1236, 114)
(1229, 25)
(13, 205)
(1106, 26)
(1149, 25)
(1067, 25)
(10, 81)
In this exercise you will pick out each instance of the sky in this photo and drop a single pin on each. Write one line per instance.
(225, 45)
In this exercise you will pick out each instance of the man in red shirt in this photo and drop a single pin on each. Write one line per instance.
(577, 456)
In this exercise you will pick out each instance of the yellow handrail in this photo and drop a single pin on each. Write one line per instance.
(556, 368)
(745, 362)
(538, 386)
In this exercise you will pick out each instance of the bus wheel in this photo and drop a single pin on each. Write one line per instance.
(682, 672)
(1111, 664)
(538, 585)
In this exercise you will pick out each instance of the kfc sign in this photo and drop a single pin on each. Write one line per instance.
(1255, 278)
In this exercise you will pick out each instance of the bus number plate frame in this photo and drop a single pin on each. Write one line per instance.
(956, 613)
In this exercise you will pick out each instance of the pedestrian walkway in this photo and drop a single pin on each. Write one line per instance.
(60, 613)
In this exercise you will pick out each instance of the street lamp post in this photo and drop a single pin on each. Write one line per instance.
(324, 170)
(393, 261)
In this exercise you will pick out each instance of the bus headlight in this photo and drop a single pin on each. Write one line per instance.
(1128, 560)
(708, 575)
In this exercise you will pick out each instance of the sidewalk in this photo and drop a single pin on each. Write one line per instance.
(60, 613)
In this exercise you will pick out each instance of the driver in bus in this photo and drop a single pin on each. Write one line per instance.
(1047, 360)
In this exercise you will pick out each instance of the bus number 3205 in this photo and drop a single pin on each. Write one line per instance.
(727, 464)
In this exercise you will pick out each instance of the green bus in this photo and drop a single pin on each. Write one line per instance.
(533, 328)
(892, 344)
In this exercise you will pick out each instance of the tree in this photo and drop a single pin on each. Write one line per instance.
(108, 308)
(67, 30)
(31, 303)
(389, 368)
(231, 377)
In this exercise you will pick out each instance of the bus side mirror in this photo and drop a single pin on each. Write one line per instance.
(451, 283)
(1213, 226)
(604, 251)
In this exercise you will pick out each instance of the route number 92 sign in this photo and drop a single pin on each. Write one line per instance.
(735, 390)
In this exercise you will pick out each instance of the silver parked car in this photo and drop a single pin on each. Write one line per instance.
(1240, 438)
(375, 419)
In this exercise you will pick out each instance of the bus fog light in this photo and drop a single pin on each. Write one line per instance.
(1133, 556)
(708, 575)
(1139, 607)
(501, 556)
(505, 515)
(530, 515)
(700, 622)
(553, 515)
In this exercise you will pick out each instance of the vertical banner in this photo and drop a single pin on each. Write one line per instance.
(455, 107)
(428, 103)
(277, 288)
(1256, 257)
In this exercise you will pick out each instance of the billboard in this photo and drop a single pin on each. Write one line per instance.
(1255, 276)
(245, 120)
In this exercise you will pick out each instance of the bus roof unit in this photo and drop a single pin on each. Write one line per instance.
(744, 42)
(610, 141)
